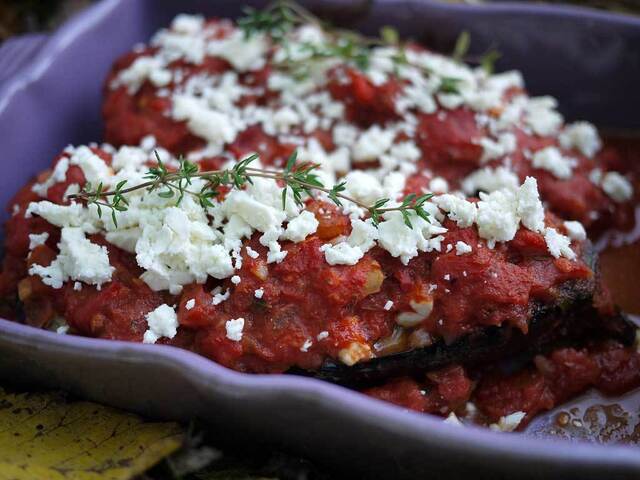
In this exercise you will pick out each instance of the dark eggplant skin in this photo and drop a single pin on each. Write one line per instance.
(570, 319)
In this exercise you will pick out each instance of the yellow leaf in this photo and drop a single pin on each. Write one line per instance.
(43, 436)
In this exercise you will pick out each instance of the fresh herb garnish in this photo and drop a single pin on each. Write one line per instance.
(462, 46)
(299, 179)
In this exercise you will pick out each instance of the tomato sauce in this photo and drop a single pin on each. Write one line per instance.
(303, 296)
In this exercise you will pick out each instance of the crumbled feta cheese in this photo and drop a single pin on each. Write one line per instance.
(322, 335)
(462, 248)
(306, 345)
(509, 422)
(552, 160)
(236, 279)
(404, 242)
(258, 293)
(452, 419)
(497, 216)
(582, 136)
(617, 187)
(438, 185)
(361, 240)
(59, 174)
(389, 305)
(234, 329)
(62, 330)
(219, 297)
(530, 207)
(190, 304)
(251, 252)
(79, 259)
(37, 239)
(372, 144)
(558, 244)
(95, 169)
(461, 211)
(488, 180)
(241, 52)
(301, 227)
(541, 115)
(163, 322)
(575, 230)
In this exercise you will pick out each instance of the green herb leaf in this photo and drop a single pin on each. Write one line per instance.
(462, 46)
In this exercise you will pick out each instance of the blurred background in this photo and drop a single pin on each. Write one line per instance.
(27, 16)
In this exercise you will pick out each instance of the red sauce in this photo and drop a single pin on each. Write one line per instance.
(549, 381)
(303, 295)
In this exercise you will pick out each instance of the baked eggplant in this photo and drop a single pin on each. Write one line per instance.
(570, 319)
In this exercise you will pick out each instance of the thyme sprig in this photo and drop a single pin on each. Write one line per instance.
(299, 179)
(281, 17)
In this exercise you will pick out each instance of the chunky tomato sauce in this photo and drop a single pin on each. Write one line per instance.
(551, 380)
(449, 140)
(302, 296)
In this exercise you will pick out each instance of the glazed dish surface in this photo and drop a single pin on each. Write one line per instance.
(281, 197)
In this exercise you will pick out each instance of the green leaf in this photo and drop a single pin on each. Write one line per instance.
(291, 161)
(449, 85)
(488, 61)
(44, 436)
(462, 46)
(406, 218)
(389, 35)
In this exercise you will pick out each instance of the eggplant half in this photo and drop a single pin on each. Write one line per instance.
(569, 319)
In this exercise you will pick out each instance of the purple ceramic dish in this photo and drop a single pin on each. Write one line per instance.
(590, 60)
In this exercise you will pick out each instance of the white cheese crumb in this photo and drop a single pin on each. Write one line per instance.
(530, 207)
(322, 335)
(452, 419)
(234, 329)
(236, 279)
(59, 174)
(163, 322)
(552, 160)
(461, 211)
(497, 216)
(79, 259)
(575, 230)
(306, 345)
(219, 297)
(372, 144)
(438, 185)
(62, 330)
(489, 179)
(259, 292)
(251, 252)
(190, 304)
(77, 286)
(389, 305)
(582, 136)
(558, 244)
(447, 277)
(509, 422)
(37, 239)
(462, 248)
(617, 187)
(300, 227)
(541, 116)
